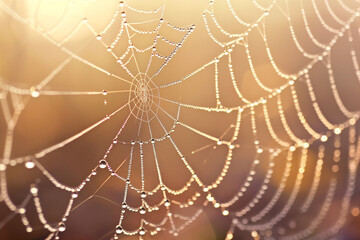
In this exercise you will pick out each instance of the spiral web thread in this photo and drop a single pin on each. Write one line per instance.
(144, 105)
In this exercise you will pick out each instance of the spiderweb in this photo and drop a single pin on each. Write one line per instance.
(148, 114)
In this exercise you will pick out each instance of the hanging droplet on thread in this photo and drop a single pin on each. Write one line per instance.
(62, 227)
(142, 231)
(29, 164)
(102, 164)
(34, 92)
(118, 229)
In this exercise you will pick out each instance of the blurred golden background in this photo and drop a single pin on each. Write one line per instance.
(160, 70)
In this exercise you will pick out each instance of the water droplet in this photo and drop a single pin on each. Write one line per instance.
(142, 231)
(118, 229)
(124, 205)
(33, 189)
(167, 203)
(104, 92)
(225, 212)
(337, 131)
(143, 194)
(352, 121)
(2, 167)
(34, 92)
(21, 210)
(324, 138)
(62, 227)
(102, 164)
(29, 164)
(142, 210)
